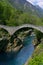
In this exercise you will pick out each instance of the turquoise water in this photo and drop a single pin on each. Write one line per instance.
(22, 56)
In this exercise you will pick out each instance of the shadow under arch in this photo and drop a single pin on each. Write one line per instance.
(4, 32)
(23, 29)
(4, 39)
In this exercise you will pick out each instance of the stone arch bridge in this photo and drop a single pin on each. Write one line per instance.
(13, 29)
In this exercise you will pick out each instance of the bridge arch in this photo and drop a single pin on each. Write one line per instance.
(3, 32)
(23, 28)
(13, 29)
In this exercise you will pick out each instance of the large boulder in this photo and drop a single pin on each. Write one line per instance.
(15, 46)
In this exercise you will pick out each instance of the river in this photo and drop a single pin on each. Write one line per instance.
(22, 56)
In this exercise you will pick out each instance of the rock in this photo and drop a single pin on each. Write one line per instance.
(15, 46)
(35, 42)
(16, 49)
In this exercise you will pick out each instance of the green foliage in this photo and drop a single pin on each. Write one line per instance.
(37, 58)
(8, 15)
(27, 18)
(13, 17)
(39, 35)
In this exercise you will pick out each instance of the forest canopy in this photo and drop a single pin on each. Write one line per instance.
(10, 16)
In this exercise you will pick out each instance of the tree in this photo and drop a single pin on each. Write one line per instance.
(39, 36)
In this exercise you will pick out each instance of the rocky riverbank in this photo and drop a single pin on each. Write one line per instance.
(6, 46)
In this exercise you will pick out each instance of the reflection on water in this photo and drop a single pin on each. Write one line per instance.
(21, 57)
